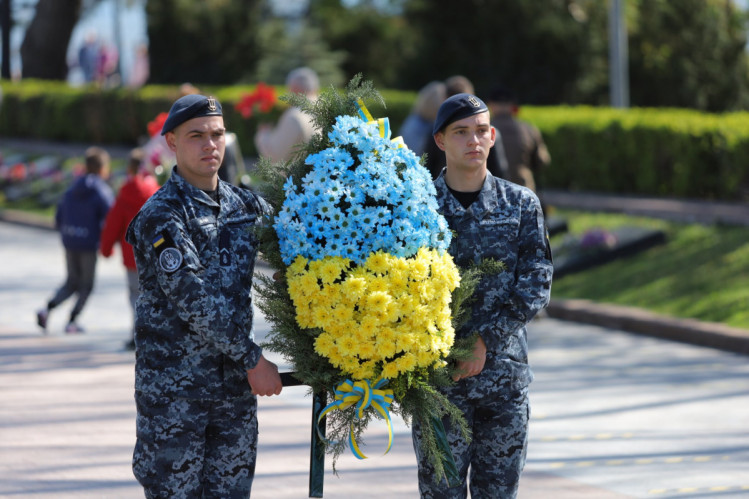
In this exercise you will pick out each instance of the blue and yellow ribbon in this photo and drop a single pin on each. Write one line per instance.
(364, 396)
(383, 124)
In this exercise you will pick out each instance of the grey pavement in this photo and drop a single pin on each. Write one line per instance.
(614, 414)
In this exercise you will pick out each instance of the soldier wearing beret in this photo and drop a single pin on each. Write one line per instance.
(491, 219)
(197, 369)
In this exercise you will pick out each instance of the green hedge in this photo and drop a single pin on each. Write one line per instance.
(56, 111)
(658, 152)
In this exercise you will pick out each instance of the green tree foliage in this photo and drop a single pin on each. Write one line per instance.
(690, 53)
(205, 42)
(283, 50)
(538, 47)
(376, 41)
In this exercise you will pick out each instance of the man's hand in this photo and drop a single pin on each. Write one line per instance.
(468, 368)
(264, 379)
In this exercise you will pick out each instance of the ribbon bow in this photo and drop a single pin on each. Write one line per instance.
(361, 393)
(383, 124)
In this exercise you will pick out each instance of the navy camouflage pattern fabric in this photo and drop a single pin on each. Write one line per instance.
(505, 223)
(193, 334)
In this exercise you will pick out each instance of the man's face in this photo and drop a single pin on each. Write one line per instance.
(199, 145)
(467, 142)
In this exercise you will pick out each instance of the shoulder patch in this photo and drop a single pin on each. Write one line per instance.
(170, 257)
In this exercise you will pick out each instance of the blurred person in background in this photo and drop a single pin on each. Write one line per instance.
(294, 126)
(88, 56)
(141, 68)
(417, 127)
(523, 144)
(133, 194)
(79, 218)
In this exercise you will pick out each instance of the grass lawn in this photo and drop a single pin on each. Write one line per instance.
(702, 272)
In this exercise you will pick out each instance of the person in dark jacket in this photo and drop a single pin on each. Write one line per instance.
(79, 218)
(523, 144)
(133, 194)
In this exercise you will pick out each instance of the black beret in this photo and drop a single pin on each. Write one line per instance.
(456, 108)
(189, 107)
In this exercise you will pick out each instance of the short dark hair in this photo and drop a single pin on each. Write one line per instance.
(458, 84)
(135, 160)
(96, 159)
(503, 95)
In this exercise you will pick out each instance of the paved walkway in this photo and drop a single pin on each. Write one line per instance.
(614, 415)
(67, 414)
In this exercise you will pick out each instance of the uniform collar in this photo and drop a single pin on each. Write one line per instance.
(485, 204)
(192, 191)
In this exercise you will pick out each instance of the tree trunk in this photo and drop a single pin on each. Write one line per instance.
(45, 46)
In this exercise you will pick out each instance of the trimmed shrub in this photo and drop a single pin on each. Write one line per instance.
(653, 152)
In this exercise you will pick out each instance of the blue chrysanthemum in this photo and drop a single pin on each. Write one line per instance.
(363, 194)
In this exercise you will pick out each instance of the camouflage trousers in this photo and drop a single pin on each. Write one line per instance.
(496, 453)
(195, 449)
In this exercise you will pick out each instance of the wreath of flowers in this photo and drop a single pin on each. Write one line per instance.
(367, 299)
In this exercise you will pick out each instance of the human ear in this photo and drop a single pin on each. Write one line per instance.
(171, 140)
(439, 139)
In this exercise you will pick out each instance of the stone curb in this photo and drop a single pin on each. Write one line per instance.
(19, 217)
(635, 320)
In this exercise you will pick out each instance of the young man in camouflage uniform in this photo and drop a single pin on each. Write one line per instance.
(197, 368)
(491, 219)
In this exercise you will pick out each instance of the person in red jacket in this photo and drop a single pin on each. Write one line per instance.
(132, 196)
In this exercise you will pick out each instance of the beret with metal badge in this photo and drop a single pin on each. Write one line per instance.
(456, 108)
(189, 107)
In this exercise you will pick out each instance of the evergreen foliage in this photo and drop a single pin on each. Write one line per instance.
(416, 395)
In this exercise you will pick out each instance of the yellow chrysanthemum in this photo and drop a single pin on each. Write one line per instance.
(406, 363)
(308, 283)
(371, 312)
(419, 269)
(347, 345)
(367, 350)
(406, 342)
(297, 267)
(378, 262)
(355, 286)
(385, 349)
(369, 326)
(386, 333)
(320, 316)
(324, 344)
(398, 284)
(389, 370)
(378, 302)
(342, 314)
(375, 284)
(425, 358)
(331, 269)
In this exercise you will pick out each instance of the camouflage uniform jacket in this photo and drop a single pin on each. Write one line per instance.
(505, 223)
(195, 263)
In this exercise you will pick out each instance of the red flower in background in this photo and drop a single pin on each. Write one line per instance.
(155, 126)
(264, 98)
